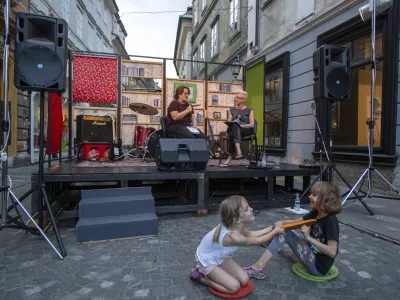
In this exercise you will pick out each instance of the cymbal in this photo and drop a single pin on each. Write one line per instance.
(143, 109)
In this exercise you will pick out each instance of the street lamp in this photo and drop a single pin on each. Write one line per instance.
(367, 10)
(236, 66)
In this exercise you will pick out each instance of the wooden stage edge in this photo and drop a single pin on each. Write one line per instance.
(58, 177)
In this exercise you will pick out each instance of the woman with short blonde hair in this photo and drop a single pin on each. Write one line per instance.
(245, 117)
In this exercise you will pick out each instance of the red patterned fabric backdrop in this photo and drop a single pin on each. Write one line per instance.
(94, 79)
(56, 123)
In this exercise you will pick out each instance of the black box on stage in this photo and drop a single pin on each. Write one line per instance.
(182, 154)
(94, 129)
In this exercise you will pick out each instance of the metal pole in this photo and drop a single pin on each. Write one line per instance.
(48, 146)
(164, 88)
(6, 121)
(371, 121)
(119, 100)
(70, 106)
(41, 156)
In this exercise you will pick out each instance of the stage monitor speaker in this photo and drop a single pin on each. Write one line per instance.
(41, 46)
(93, 129)
(182, 154)
(331, 65)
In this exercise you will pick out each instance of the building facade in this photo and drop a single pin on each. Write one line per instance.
(219, 36)
(93, 26)
(280, 79)
(18, 101)
(183, 45)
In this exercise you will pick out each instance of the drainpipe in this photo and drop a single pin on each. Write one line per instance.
(257, 23)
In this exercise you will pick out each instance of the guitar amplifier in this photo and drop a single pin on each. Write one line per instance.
(94, 129)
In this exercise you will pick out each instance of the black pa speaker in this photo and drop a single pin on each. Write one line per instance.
(331, 66)
(182, 154)
(94, 129)
(40, 53)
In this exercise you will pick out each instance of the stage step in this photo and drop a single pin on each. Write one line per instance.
(116, 227)
(115, 206)
(116, 213)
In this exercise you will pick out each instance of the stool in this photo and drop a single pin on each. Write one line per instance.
(300, 270)
(242, 292)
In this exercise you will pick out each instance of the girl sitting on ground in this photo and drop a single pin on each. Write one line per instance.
(318, 247)
(215, 266)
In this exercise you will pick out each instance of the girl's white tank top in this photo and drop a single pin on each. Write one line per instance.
(209, 253)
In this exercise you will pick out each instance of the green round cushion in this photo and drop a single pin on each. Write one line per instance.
(300, 270)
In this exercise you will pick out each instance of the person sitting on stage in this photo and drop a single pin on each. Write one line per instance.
(319, 245)
(215, 265)
(245, 117)
(181, 120)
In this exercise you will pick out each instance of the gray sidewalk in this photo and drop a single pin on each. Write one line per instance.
(158, 267)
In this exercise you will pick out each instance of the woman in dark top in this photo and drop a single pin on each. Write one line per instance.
(319, 246)
(245, 116)
(181, 116)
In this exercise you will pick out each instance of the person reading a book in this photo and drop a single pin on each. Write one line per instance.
(181, 119)
(241, 122)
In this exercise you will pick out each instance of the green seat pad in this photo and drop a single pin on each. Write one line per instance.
(300, 270)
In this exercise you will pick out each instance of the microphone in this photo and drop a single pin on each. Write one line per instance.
(92, 134)
(313, 104)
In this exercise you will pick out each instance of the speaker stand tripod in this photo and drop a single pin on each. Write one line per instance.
(13, 222)
(367, 174)
(331, 167)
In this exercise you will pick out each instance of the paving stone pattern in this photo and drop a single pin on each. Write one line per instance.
(158, 267)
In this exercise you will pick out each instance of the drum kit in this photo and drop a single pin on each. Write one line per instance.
(144, 137)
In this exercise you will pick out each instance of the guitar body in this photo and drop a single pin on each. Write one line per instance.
(298, 225)
(116, 150)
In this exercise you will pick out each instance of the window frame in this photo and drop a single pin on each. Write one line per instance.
(202, 52)
(195, 12)
(203, 6)
(280, 62)
(232, 12)
(195, 71)
(98, 42)
(91, 37)
(105, 14)
(79, 30)
(348, 32)
(98, 9)
(214, 49)
(65, 9)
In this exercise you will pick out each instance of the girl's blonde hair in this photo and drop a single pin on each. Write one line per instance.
(328, 197)
(229, 211)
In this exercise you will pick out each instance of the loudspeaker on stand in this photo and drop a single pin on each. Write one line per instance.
(41, 46)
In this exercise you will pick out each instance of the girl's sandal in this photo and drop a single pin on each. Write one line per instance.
(196, 275)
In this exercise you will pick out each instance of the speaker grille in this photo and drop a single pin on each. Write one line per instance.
(338, 83)
(40, 66)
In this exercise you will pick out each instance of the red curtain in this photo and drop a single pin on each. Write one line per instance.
(94, 79)
(56, 124)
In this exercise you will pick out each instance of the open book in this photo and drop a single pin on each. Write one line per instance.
(229, 123)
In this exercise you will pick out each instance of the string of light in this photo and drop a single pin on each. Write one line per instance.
(177, 11)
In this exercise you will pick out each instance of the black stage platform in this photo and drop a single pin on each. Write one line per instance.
(62, 178)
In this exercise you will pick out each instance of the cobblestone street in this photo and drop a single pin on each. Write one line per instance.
(158, 267)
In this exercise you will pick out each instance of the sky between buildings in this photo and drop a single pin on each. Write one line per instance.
(151, 34)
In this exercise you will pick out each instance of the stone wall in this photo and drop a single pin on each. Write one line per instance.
(23, 125)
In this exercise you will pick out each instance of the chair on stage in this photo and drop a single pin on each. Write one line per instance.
(163, 122)
(248, 138)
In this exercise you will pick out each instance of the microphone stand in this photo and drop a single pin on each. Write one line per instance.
(78, 145)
